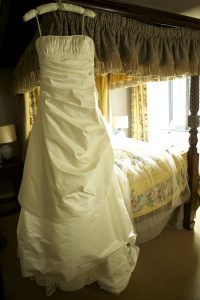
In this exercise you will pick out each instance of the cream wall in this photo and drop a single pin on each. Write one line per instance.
(120, 100)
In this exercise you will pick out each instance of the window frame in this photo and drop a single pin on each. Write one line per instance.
(171, 104)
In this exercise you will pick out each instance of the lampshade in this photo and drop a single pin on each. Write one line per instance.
(7, 134)
(120, 122)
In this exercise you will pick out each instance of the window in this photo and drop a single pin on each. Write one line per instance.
(168, 108)
(179, 103)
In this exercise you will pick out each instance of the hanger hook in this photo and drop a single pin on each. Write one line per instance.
(59, 4)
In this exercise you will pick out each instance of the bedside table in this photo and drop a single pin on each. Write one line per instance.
(10, 180)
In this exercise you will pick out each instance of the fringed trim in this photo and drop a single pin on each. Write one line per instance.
(112, 65)
(26, 74)
(29, 83)
(26, 80)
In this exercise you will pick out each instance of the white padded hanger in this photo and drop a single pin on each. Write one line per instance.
(45, 8)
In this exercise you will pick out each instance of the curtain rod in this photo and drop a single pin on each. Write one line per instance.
(142, 14)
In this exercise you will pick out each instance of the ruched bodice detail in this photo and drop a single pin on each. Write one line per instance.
(67, 65)
(78, 46)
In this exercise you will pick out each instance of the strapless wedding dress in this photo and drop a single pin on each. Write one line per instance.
(74, 228)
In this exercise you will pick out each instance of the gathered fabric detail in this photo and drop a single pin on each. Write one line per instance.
(122, 45)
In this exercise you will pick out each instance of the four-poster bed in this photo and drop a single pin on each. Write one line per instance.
(161, 18)
(85, 222)
(116, 56)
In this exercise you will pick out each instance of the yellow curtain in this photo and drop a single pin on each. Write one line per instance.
(27, 115)
(102, 85)
(110, 81)
(121, 81)
(31, 105)
(139, 120)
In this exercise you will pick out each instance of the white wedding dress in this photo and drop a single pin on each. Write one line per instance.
(74, 228)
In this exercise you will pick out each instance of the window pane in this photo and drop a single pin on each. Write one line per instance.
(158, 109)
(180, 104)
(167, 111)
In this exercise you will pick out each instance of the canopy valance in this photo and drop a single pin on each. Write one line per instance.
(123, 45)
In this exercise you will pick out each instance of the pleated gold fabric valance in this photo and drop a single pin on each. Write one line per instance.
(123, 45)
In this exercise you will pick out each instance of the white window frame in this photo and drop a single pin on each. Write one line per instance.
(171, 104)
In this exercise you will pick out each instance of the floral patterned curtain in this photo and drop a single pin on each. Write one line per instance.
(139, 120)
(31, 105)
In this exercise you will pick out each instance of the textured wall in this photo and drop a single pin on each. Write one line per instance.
(7, 101)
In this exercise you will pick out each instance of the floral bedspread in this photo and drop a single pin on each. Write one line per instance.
(155, 179)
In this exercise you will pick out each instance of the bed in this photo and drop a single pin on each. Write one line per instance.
(154, 183)
(114, 56)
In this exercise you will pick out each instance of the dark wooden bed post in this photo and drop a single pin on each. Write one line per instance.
(193, 156)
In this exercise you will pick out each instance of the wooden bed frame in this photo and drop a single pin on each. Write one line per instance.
(166, 19)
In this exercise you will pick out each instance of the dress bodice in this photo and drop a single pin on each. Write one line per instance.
(68, 47)
(66, 62)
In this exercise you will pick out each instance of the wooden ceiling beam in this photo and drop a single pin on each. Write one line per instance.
(142, 14)
(5, 6)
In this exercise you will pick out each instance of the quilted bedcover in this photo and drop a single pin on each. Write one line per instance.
(157, 177)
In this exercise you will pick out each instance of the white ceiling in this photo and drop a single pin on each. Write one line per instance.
(189, 8)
